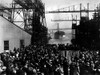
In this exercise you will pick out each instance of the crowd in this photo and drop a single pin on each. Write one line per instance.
(48, 60)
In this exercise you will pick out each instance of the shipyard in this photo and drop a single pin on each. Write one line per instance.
(49, 37)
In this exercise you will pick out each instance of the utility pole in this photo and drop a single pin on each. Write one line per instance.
(80, 10)
(76, 19)
(72, 19)
(88, 10)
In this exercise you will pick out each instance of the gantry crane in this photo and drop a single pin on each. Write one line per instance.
(21, 12)
(73, 20)
(27, 8)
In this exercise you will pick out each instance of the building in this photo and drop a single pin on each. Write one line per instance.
(12, 36)
(87, 33)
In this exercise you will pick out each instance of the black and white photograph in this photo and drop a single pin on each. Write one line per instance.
(49, 37)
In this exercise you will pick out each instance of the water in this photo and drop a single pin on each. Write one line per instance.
(63, 40)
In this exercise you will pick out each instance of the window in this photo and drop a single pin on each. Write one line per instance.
(21, 43)
(6, 45)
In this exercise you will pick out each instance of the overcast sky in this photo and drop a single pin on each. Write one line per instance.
(56, 4)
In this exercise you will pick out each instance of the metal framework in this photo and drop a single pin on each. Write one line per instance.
(21, 12)
(73, 10)
(61, 20)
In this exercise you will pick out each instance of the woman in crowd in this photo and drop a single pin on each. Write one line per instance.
(48, 60)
